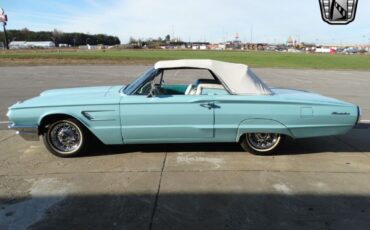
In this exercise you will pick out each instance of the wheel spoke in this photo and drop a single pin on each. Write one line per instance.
(65, 137)
(263, 141)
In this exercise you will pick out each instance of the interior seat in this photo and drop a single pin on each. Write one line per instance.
(188, 90)
(207, 86)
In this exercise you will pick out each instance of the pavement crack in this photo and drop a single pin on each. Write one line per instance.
(157, 195)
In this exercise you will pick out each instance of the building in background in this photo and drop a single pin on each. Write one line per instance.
(30, 45)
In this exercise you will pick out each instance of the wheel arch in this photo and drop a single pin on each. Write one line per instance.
(258, 125)
(50, 117)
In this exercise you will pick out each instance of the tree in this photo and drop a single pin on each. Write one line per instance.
(56, 35)
(132, 40)
(25, 34)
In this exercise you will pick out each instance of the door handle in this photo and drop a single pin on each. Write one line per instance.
(207, 105)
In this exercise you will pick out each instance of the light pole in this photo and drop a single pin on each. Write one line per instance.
(6, 36)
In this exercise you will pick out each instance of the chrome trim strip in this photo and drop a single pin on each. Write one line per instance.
(28, 133)
(91, 118)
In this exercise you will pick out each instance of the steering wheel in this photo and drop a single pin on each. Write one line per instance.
(154, 90)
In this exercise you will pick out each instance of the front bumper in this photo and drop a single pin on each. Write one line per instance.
(29, 133)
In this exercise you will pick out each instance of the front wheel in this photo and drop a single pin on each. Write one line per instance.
(65, 138)
(261, 143)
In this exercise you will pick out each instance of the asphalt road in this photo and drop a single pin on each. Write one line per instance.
(316, 183)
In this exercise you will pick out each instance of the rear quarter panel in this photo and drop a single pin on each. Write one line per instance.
(236, 115)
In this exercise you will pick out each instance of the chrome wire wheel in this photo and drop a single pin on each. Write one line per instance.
(65, 137)
(263, 142)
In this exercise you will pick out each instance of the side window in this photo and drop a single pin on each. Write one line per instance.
(182, 82)
(190, 82)
(185, 76)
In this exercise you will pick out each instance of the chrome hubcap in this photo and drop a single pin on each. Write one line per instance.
(65, 137)
(263, 141)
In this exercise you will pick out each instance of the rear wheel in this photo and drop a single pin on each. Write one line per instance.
(65, 138)
(261, 143)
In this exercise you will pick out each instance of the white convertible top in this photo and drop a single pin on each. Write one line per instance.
(238, 78)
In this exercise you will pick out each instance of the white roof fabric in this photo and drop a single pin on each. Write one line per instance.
(238, 78)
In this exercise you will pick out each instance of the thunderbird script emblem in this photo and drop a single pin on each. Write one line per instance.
(338, 12)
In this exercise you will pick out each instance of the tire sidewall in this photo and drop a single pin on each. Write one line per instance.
(246, 146)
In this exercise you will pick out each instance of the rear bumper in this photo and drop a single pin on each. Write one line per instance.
(29, 133)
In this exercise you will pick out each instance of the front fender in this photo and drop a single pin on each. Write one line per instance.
(261, 126)
(104, 123)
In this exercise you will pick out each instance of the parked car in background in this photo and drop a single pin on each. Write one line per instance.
(181, 101)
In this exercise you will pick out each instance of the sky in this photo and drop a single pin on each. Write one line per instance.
(270, 21)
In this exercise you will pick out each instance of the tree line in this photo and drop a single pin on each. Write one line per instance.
(59, 37)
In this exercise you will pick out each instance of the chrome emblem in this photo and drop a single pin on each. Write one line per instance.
(338, 12)
(339, 113)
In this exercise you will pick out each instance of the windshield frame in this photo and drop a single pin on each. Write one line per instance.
(143, 78)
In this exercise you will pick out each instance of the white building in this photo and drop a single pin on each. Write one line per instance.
(322, 50)
(28, 45)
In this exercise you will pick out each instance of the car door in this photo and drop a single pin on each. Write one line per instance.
(170, 118)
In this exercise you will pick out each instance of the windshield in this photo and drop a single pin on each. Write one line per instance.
(139, 81)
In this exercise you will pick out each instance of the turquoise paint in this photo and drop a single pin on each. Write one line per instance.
(166, 117)
(117, 118)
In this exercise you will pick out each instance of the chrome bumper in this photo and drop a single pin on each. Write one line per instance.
(29, 133)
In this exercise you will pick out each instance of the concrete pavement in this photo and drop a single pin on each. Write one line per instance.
(319, 183)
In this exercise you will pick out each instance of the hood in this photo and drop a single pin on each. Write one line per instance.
(73, 96)
(306, 97)
(100, 90)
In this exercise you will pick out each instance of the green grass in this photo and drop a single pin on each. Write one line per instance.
(253, 59)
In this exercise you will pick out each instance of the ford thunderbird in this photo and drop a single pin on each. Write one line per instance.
(181, 101)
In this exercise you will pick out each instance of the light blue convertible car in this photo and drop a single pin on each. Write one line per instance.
(181, 101)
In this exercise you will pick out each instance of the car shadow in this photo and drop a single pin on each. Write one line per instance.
(227, 210)
(354, 141)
